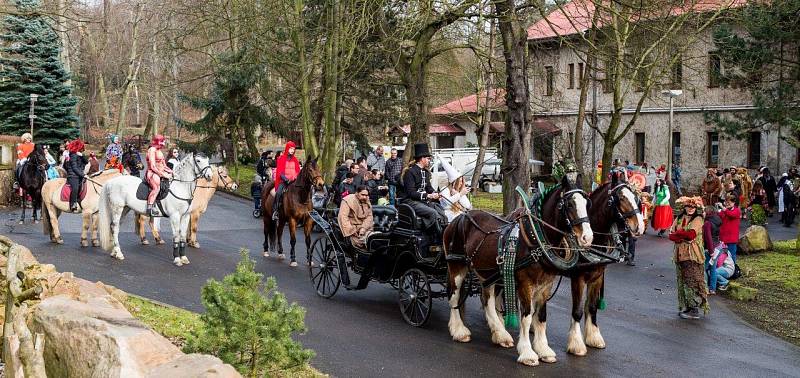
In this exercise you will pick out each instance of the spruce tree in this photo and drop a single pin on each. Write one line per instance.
(30, 64)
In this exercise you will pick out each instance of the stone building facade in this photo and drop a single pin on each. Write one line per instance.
(555, 73)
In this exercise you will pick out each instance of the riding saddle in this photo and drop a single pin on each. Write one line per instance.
(144, 190)
(66, 190)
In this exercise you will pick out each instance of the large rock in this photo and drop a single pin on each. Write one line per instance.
(755, 239)
(194, 365)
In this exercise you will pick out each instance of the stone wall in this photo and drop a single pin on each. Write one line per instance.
(6, 186)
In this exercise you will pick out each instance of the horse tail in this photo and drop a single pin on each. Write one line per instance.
(47, 228)
(104, 223)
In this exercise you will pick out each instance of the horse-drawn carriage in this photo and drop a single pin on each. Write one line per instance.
(397, 253)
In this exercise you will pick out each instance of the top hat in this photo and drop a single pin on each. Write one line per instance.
(421, 150)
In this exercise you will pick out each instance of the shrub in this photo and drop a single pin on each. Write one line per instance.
(249, 326)
(758, 216)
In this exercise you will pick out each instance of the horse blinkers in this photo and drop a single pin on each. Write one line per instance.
(563, 207)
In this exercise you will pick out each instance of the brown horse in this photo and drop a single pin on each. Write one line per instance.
(295, 207)
(471, 242)
(202, 196)
(615, 205)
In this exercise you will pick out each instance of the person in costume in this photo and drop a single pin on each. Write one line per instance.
(355, 216)
(454, 198)
(687, 234)
(711, 187)
(662, 215)
(75, 167)
(770, 187)
(94, 165)
(51, 164)
(418, 193)
(23, 150)
(114, 154)
(156, 170)
(132, 161)
(286, 171)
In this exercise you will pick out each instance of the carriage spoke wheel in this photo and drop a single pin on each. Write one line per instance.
(324, 271)
(415, 297)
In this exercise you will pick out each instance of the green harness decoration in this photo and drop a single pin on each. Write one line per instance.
(506, 259)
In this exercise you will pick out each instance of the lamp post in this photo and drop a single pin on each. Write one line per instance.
(671, 94)
(32, 116)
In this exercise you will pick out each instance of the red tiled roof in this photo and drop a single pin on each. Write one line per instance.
(437, 129)
(540, 126)
(576, 17)
(469, 104)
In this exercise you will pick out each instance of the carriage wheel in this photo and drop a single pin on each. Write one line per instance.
(323, 270)
(415, 297)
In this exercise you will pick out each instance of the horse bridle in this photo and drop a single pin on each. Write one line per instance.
(228, 184)
(614, 201)
(564, 204)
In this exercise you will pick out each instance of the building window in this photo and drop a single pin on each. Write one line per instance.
(754, 150)
(676, 74)
(580, 75)
(714, 70)
(548, 72)
(639, 147)
(571, 75)
(445, 141)
(712, 149)
(676, 147)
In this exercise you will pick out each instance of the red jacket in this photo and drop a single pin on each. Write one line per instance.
(729, 231)
(280, 169)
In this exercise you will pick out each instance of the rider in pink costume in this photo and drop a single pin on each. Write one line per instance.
(156, 169)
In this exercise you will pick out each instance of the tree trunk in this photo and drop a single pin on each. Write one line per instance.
(331, 80)
(132, 71)
(309, 138)
(105, 113)
(416, 101)
(516, 171)
(486, 118)
(578, 142)
(62, 35)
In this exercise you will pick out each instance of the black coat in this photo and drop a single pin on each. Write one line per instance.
(374, 192)
(416, 184)
(770, 187)
(75, 165)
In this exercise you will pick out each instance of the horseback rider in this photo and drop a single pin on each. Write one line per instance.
(156, 170)
(23, 150)
(288, 167)
(114, 154)
(131, 160)
(75, 166)
(418, 193)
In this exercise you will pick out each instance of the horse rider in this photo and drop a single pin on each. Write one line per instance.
(114, 154)
(156, 170)
(75, 166)
(355, 217)
(418, 193)
(131, 160)
(454, 198)
(23, 150)
(286, 171)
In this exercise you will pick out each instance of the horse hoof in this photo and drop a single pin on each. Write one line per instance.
(95, 243)
(579, 351)
(159, 241)
(177, 261)
(548, 359)
(194, 244)
(528, 361)
(504, 340)
(21, 222)
(281, 256)
(185, 260)
(266, 254)
(145, 242)
(84, 243)
(293, 264)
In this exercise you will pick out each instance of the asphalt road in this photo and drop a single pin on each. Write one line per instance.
(361, 334)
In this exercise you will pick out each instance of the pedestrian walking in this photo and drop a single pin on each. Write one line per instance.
(731, 219)
(787, 200)
(676, 178)
(687, 234)
(662, 217)
(770, 187)
(392, 170)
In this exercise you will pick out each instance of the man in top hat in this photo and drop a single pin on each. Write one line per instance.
(418, 193)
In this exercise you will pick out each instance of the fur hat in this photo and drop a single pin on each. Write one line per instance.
(695, 201)
(452, 172)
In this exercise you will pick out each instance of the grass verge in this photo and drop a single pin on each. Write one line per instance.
(776, 276)
(491, 202)
(176, 324)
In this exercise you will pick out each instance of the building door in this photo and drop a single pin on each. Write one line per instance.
(639, 148)
(676, 147)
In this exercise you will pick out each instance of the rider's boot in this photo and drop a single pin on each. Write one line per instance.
(150, 211)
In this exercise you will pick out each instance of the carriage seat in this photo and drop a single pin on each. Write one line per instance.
(407, 218)
(384, 218)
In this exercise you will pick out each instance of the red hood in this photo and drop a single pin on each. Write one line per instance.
(289, 145)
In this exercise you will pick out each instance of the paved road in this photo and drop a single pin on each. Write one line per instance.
(362, 334)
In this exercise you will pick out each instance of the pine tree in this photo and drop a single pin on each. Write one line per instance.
(30, 64)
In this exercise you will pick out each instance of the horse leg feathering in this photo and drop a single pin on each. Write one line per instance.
(459, 332)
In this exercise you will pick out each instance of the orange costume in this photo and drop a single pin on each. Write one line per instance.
(24, 149)
(156, 169)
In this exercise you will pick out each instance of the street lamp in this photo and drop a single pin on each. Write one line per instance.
(32, 116)
(671, 94)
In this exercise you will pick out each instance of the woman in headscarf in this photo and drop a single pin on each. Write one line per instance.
(454, 198)
(687, 234)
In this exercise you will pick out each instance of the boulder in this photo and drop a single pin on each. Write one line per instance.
(755, 239)
(740, 292)
(95, 338)
(194, 365)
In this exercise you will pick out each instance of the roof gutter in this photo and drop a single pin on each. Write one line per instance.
(683, 109)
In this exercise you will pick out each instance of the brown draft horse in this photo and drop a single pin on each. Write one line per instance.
(470, 242)
(614, 204)
(295, 207)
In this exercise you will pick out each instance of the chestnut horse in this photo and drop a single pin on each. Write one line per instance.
(202, 196)
(471, 242)
(295, 208)
(614, 217)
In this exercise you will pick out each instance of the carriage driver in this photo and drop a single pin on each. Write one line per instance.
(156, 170)
(418, 193)
(355, 217)
(286, 171)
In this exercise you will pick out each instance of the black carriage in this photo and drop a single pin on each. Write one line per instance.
(398, 254)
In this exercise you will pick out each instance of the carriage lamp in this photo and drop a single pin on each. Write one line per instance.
(32, 116)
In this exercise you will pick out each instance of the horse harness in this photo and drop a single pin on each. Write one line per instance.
(191, 198)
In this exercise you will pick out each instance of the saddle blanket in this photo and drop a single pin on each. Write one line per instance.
(144, 190)
(66, 190)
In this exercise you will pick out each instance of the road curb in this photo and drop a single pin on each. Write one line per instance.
(153, 301)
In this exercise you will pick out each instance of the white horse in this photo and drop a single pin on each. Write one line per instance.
(119, 196)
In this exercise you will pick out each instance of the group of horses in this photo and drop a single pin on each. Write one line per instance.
(110, 194)
(572, 225)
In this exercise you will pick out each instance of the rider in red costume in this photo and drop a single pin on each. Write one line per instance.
(288, 167)
(156, 169)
